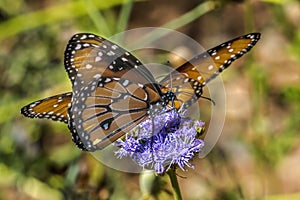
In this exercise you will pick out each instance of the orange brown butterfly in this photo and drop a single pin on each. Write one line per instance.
(113, 91)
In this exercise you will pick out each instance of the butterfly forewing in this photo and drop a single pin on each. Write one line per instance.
(88, 57)
(54, 108)
(205, 67)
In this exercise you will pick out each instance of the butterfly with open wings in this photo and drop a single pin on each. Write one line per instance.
(113, 91)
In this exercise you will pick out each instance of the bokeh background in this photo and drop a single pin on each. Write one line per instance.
(258, 154)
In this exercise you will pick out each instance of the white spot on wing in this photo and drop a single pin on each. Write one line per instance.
(83, 37)
(125, 83)
(105, 126)
(114, 47)
(98, 58)
(78, 46)
(110, 53)
(88, 66)
(97, 76)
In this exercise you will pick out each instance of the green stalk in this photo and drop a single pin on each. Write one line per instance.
(50, 15)
(175, 185)
(191, 15)
(97, 18)
(181, 21)
(124, 16)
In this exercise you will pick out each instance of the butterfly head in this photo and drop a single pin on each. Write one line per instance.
(168, 97)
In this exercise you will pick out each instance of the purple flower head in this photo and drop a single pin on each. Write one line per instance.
(167, 139)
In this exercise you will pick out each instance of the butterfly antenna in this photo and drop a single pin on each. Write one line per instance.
(153, 132)
(171, 83)
(181, 107)
(207, 98)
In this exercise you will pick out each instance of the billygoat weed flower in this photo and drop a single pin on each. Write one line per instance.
(172, 142)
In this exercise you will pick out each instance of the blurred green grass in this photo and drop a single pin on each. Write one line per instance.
(38, 160)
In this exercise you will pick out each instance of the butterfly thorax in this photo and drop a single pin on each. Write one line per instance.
(167, 99)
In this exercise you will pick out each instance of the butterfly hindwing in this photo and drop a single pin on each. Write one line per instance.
(107, 108)
(54, 108)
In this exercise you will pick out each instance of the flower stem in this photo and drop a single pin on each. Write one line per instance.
(174, 182)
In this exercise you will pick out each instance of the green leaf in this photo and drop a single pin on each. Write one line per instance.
(50, 15)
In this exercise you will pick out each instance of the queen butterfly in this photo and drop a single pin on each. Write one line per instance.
(113, 91)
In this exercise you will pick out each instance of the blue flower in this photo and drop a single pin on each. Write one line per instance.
(169, 139)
